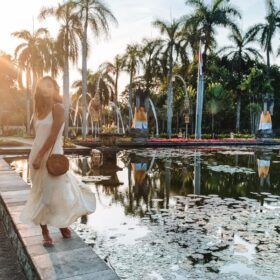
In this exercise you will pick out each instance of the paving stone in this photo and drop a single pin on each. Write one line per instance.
(67, 259)
(35, 247)
(67, 264)
(100, 275)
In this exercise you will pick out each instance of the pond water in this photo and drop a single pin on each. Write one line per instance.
(182, 213)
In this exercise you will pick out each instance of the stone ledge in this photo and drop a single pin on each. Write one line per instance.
(67, 259)
(26, 150)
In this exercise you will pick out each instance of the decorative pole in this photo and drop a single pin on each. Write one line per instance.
(199, 97)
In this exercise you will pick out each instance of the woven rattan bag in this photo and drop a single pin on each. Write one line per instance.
(57, 164)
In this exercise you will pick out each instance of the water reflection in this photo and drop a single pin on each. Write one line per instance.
(264, 159)
(138, 189)
(158, 203)
(152, 178)
(197, 172)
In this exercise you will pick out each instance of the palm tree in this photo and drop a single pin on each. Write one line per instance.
(67, 46)
(55, 59)
(191, 35)
(131, 63)
(32, 56)
(240, 53)
(215, 92)
(265, 32)
(171, 44)
(220, 13)
(106, 86)
(98, 82)
(151, 60)
(96, 15)
(115, 67)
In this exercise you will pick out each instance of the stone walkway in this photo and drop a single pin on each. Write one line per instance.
(68, 259)
(9, 265)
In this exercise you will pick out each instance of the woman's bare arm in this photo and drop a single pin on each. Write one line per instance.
(58, 120)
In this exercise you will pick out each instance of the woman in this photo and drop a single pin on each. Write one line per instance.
(53, 200)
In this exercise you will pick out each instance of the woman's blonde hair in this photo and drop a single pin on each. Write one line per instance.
(41, 102)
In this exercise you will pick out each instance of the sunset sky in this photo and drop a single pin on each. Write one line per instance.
(134, 16)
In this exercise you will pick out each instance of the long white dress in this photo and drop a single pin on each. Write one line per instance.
(54, 200)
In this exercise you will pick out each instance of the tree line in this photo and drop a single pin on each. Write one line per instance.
(236, 76)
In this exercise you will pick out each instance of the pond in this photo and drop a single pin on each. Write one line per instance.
(182, 213)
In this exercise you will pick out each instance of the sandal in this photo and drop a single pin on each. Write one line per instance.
(66, 232)
(47, 241)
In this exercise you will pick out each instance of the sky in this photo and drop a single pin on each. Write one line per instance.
(134, 17)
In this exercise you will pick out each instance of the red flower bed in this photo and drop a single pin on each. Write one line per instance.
(88, 139)
(182, 140)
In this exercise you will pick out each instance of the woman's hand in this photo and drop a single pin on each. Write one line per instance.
(37, 162)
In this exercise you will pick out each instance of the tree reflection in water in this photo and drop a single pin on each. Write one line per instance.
(153, 187)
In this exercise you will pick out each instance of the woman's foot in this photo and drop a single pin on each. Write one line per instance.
(47, 240)
(66, 232)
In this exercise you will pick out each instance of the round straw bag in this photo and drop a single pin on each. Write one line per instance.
(57, 164)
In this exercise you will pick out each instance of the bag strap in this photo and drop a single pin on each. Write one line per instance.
(50, 153)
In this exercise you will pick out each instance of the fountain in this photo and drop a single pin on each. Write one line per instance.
(265, 127)
(155, 115)
(197, 172)
(109, 135)
(115, 107)
(77, 107)
(139, 130)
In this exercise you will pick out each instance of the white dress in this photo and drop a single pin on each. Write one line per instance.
(54, 200)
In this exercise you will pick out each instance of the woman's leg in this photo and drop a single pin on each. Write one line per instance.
(66, 232)
(46, 235)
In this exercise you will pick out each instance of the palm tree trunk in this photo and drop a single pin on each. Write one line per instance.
(177, 128)
(162, 125)
(204, 57)
(268, 61)
(169, 108)
(170, 95)
(84, 76)
(116, 86)
(212, 125)
(34, 81)
(33, 88)
(238, 110)
(28, 102)
(66, 82)
(238, 105)
(28, 112)
(116, 100)
(130, 99)
(66, 97)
